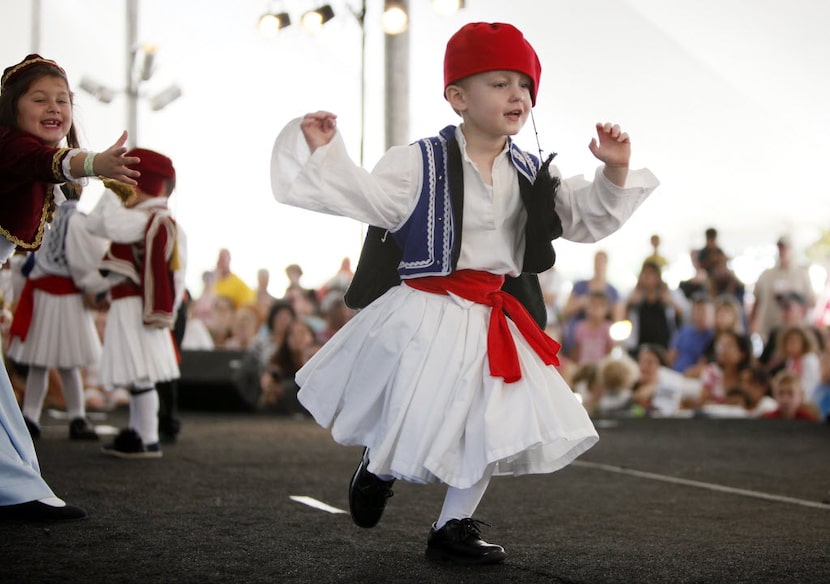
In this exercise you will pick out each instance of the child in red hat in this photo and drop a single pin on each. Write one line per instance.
(145, 265)
(40, 161)
(432, 376)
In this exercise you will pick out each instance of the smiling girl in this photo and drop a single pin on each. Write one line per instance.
(35, 123)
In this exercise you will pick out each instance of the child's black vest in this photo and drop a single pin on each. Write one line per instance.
(380, 265)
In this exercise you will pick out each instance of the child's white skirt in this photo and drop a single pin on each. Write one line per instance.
(61, 334)
(134, 353)
(408, 376)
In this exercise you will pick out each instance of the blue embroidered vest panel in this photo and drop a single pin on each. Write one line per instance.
(428, 236)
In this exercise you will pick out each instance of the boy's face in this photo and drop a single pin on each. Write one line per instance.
(789, 398)
(493, 103)
(45, 110)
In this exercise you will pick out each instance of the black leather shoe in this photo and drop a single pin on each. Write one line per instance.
(459, 541)
(32, 427)
(38, 511)
(367, 494)
(80, 429)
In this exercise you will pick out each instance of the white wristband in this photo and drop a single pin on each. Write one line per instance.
(89, 161)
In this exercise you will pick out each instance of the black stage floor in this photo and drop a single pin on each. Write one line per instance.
(693, 500)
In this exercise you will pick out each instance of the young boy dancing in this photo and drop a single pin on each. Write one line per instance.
(145, 264)
(432, 377)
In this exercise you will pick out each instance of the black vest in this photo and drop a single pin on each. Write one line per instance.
(377, 268)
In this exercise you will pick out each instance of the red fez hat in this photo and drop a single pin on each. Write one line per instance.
(155, 169)
(484, 46)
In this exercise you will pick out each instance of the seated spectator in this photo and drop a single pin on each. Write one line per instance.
(272, 333)
(729, 317)
(733, 354)
(755, 382)
(335, 312)
(229, 285)
(202, 306)
(611, 392)
(788, 393)
(653, 310)
(687, 353)
(575, 306)
(801, 357)
(659, 390)
(793, 307)
(279, 389)
(263, 300)
(592, 336)
(723, 279)
(306, 307)
(295, 288)
(243, 329)
(220, 321)
(699, 282)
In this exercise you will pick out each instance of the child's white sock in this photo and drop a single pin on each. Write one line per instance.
(144, 410)
(37, 383)
(73, 392)
(462, 503)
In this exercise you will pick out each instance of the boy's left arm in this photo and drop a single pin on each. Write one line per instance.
(591, 211)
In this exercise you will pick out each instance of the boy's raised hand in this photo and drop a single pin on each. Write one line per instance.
(318, 129)
(614, 147)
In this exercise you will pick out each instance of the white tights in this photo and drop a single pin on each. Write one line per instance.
(462, 503)
(144, 411)
(37, 384)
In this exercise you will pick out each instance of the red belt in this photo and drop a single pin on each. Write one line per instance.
(56, 285)
(485, 288)
(125, 289)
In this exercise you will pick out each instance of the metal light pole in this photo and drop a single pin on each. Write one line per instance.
(137, 71)
(131, 84)
(396, 73)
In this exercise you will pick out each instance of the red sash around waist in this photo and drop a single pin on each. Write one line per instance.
(485, 288)
(125, 289)
(57, 285)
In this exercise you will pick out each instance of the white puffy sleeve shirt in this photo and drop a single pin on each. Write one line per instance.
(328, 181)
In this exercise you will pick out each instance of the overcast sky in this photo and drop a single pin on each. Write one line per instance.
(726, 102)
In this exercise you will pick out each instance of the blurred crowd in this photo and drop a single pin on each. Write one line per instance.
(711, 346)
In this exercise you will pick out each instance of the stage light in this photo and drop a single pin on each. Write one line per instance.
(270, 24)
(149, 52)
(394, 19)
(100, 92)
(165, 98)
(313, 20)
(447, 7)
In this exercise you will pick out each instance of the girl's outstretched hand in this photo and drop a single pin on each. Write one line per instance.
(112, 163)
(614, 146)
(318, 129)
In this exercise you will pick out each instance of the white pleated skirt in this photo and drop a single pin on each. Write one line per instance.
(62, 334)
(134, 353)
(408, 376)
